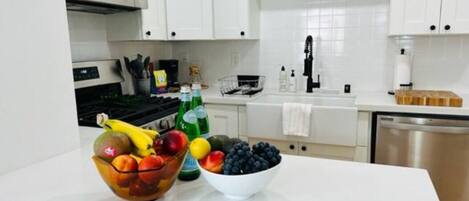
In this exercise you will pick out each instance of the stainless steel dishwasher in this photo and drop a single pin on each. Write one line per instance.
(437, 143)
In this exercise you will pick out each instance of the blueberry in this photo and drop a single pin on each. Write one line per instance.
(235, 169)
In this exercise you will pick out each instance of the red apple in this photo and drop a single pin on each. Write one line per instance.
(174, 142)
(126, 166)
(213, 162)
(152, 167)
(158, 146)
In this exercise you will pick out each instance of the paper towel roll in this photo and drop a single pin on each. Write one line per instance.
(402, 71)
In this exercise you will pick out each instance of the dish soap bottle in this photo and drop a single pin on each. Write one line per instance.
(283, 80)
(292, 82)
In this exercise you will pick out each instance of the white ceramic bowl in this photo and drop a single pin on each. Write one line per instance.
(240, 187)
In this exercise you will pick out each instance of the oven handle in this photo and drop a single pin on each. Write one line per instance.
(427, 128)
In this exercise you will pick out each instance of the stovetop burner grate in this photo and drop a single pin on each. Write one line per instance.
(136, 110)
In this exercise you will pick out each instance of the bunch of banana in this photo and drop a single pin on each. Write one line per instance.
(141, 138)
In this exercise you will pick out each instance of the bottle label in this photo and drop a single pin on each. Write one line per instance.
(185, 97)
(190, 164)
(190, 117)
(200, 112)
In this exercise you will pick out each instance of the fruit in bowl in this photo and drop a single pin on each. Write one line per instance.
(241, 171)
(136, 169)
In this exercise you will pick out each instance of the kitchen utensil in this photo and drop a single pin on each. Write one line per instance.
(240, 187)
(128, 66)
(145, 67)
(428, 98)
(136, 189)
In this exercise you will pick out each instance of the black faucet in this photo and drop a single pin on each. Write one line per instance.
(310, 84)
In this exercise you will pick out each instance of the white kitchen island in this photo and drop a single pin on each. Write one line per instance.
(72, 177)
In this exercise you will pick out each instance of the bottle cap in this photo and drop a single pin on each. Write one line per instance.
(283, 68)
(185, 89)
(196, 86)
(402, 51)
(292, 73)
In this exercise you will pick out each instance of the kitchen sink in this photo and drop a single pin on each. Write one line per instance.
(334, 118)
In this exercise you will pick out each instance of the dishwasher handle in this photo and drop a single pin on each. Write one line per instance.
(387, 123)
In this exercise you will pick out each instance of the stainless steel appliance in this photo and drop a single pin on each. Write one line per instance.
(439, 144)
(98, 89)
(106, 6)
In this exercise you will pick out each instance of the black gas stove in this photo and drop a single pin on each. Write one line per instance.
(141, 112)
(96, 95)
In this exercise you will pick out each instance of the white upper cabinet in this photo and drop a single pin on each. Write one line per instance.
(154, 20)
(146, 24)
(455, 17)
(236, 19)
(414, 17)
(426, 17)
(189, 19)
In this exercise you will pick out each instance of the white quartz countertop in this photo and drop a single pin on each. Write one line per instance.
(382, 102)
(365, 101)
(72, 177)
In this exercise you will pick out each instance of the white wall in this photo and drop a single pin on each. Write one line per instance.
(351, 46)
(88, 41)
(37, 105)
(440, 62)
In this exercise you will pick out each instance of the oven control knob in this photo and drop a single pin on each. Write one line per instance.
(164, 124)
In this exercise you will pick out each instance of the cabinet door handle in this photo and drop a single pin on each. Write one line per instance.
(173, 33)
(148, 33)
(433, 27)
(242, 33)
(447, 27)
(292, 147)
(303, 148)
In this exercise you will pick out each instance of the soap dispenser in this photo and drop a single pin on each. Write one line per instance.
(292, 82)
(283, 80)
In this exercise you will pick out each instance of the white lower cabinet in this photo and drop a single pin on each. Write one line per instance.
(242, 123)
(285, 147)
(223, 119)
(327, 151)
(231, 120)
(358, 154)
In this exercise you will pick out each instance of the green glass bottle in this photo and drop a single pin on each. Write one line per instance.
(187, 122)
(198, 107)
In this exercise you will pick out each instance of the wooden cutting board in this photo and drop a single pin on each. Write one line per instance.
(428, 98)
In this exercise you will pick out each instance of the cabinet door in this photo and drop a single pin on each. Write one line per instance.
(326, 151)
(231, 18)
(455, 17)
(414, 17)
(154, 20)
(223, 119)
(242, 121)
(189, 19)
(285, 147)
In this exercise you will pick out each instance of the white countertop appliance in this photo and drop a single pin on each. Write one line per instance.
(98, 89)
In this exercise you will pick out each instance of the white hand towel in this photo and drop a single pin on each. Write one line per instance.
(296, 119)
